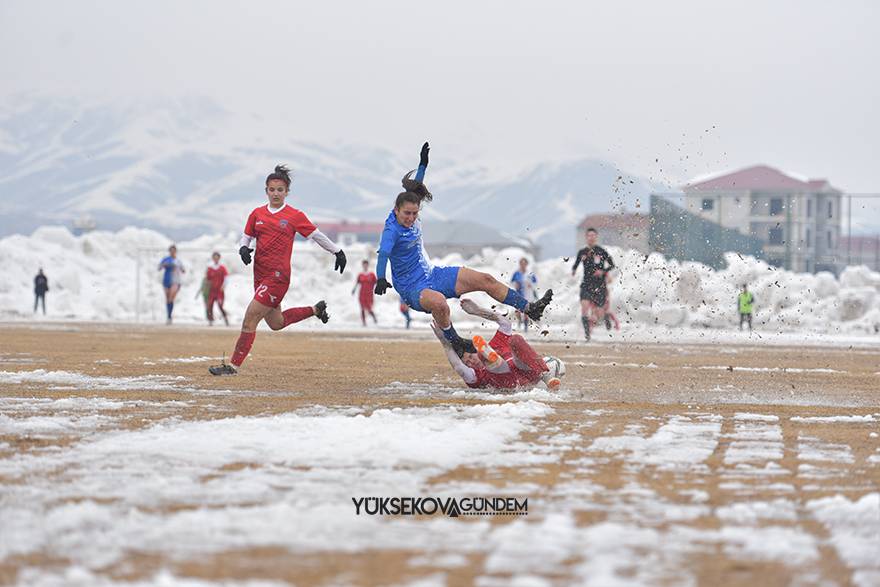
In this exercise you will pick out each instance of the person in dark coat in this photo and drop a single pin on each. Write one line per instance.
(41, 286)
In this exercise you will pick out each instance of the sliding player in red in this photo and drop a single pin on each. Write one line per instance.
(275, 227)
(505, 362)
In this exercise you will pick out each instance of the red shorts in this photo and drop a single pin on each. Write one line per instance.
(366, 302)
(216, 295)
(270, 292)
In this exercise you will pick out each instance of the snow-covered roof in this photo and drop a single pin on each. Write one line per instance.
(758, 177)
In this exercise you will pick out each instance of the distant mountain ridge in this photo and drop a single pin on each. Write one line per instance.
(186, 167)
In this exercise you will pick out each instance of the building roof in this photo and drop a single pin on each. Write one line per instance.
(623, 221)
(352, 227)
(758, 177)
(463, 232)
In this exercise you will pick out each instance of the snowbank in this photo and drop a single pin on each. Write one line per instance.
(97, 277)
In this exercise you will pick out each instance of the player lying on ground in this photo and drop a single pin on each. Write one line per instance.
(275, 227)
(505, 362)
(424, 287)
(594, 287)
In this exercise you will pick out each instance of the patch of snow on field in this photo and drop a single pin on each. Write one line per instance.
(855, 532)
(81, 381)
(682, 442)
(284, 480)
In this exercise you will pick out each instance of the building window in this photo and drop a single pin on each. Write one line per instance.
(774, 237)
(830, 209)
(809, 240)
(830, 246)
(809, 208)
(775, 206)
(708, 204)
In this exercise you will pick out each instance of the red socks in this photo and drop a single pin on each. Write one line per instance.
(293, 315)
(246, 339)
(243, 347)
(526, 354)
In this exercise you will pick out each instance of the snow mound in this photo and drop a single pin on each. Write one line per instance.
(114, 276)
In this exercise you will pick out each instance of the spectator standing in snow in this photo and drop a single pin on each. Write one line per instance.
(41, 286)
(744, 304)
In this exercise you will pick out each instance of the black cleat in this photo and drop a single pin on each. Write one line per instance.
(462, 346)
(536, 309)
(222, 369)
(321, 311)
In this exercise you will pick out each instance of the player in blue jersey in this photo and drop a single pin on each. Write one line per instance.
(526, 284)
(173, 269)
(421, 285)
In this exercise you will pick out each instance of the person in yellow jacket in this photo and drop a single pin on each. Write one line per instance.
(745, 301)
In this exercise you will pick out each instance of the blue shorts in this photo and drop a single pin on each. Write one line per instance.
(442, 279)
(169, 282)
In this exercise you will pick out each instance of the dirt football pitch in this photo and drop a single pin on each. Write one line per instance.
(670, 464)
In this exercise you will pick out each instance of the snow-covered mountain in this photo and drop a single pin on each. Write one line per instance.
(186, 167)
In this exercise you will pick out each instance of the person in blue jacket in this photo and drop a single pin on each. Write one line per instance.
(423, 286)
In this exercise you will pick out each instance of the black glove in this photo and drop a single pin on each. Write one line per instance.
(245, 255)
(423, 156)
(381, 285)
(340, 261)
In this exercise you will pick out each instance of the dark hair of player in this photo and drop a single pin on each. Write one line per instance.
(414, 192)
(281, 172)
(591, 229)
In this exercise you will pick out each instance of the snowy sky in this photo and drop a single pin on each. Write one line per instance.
(790, 84)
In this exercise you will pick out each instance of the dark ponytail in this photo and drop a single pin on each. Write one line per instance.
(415, 192)
(281, 172)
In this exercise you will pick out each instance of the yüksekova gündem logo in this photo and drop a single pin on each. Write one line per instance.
(446, 506)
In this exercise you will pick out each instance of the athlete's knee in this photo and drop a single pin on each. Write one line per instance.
(486, 280)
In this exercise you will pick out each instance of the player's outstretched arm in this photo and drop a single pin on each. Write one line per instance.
(423, 162)
(465, 372)
(474, 309)
(328, 245)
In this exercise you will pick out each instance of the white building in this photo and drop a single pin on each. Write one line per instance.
(799, 221)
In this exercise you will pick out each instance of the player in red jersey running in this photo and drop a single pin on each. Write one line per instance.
(275, 227)
(367, 281)
(505, 362)
(215, 277)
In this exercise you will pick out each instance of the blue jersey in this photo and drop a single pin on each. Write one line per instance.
(403, 246)
(172, 269)
(524, 284)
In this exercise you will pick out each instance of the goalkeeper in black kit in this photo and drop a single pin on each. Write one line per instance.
(594, 287)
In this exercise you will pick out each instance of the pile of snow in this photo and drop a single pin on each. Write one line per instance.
(96, 277)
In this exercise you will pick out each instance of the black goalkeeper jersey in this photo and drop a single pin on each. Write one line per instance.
(595, 259)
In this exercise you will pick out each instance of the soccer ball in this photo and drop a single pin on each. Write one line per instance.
(552, 378)
(556, 366)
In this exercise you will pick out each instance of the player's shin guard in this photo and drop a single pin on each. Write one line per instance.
(243, 347)
(514, 299)
(294, 315)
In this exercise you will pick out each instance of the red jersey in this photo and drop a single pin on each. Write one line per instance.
(367, 282)
(516, 377)
(216, 275)
(275, 232)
